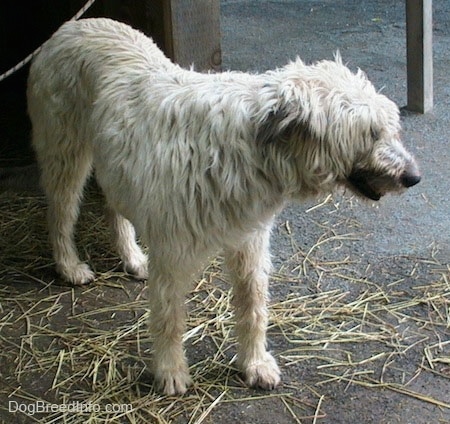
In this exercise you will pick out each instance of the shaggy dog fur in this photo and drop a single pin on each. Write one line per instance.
(198, 163)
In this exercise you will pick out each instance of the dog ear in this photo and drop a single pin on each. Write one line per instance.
(269, 129)
(278, 125)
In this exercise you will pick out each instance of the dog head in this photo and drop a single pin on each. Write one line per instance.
(339, 129)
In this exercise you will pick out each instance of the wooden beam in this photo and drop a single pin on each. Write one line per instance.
(192, 32)
(419, 30)
(188, 31)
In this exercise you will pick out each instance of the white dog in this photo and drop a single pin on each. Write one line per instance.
(199, 163)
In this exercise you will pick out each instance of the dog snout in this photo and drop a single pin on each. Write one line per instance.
(411, 176)
(409, 180)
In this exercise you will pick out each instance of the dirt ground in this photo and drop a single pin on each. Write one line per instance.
(360, 309)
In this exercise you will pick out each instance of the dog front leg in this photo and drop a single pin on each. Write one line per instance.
(167, 324)
(249, 268)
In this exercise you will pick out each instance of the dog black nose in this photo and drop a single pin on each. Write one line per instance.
(409, 180)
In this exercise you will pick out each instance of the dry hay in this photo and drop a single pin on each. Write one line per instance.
(89, 346)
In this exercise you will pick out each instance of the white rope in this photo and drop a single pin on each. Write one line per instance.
(30, 57)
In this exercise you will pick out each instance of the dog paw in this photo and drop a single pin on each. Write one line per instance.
(173, 383)
(137, 266)
(263, 374)
(79, 274)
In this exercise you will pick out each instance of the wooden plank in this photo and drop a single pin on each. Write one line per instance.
(192, 30)
(188, 31)
(419, 29)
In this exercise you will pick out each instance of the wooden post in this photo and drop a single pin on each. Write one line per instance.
(419, 29)
(188, 31)
(192, 32)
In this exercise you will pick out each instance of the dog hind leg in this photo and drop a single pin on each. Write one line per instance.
(249, 268)
(134, 260)
(63, 176)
